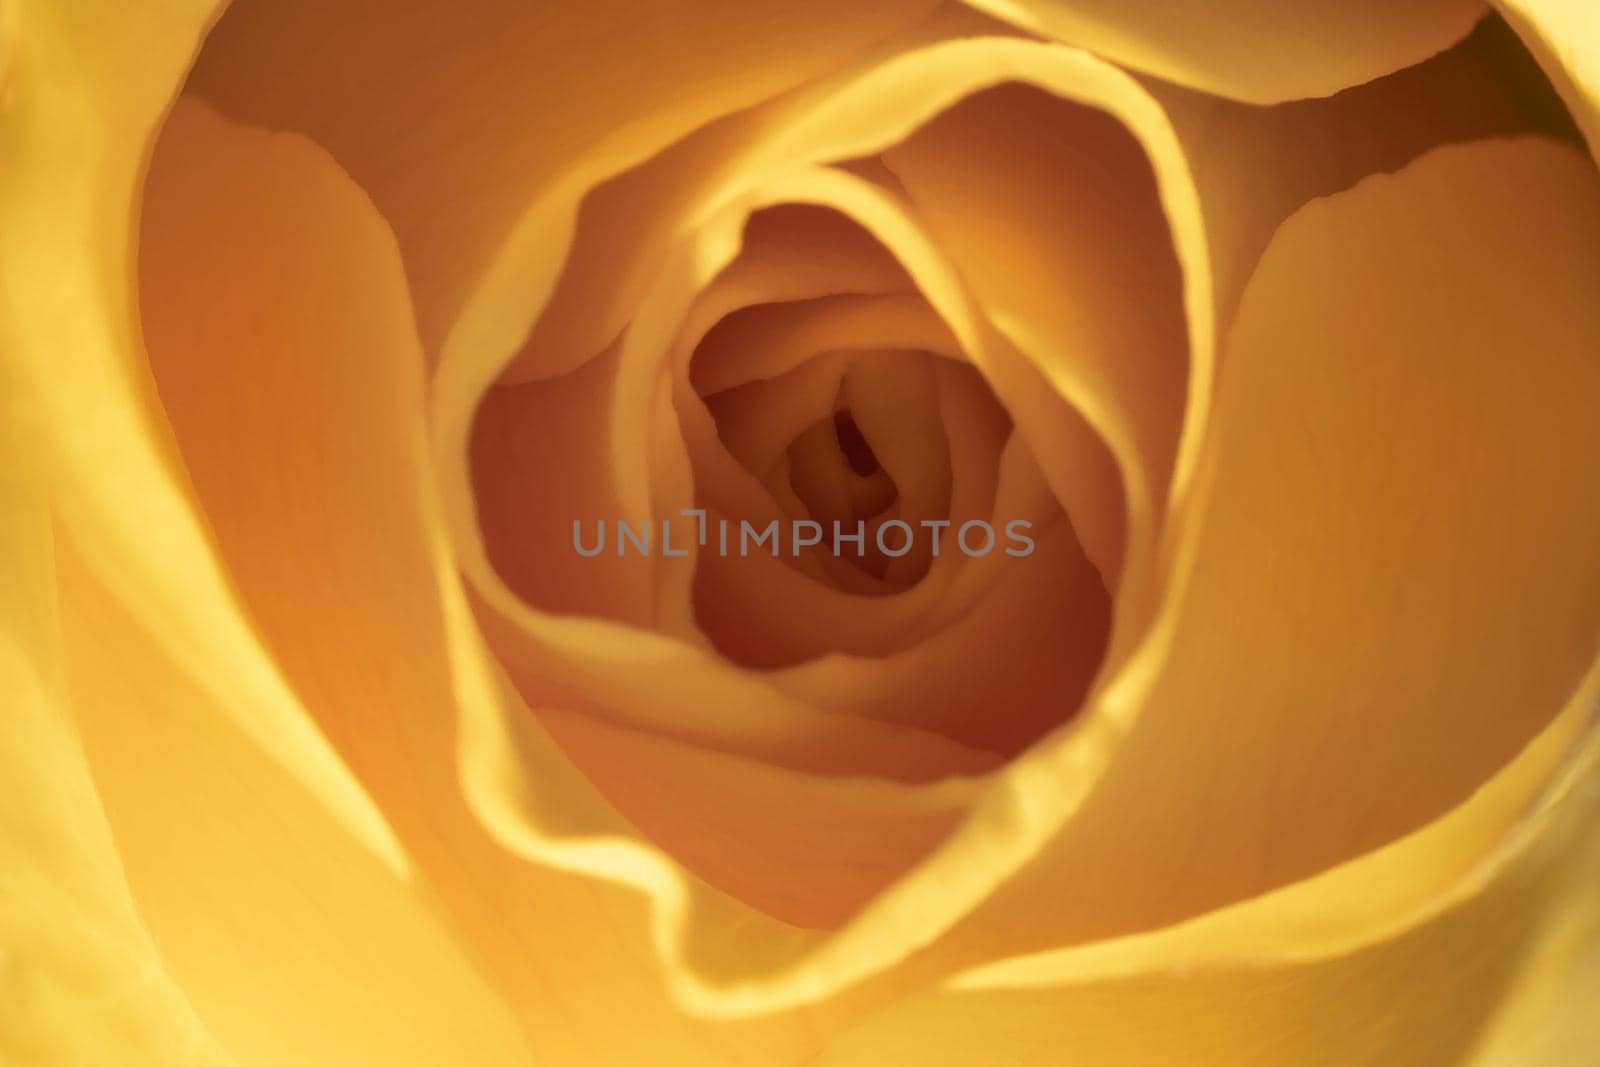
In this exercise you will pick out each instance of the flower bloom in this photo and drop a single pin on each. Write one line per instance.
(1102, 558)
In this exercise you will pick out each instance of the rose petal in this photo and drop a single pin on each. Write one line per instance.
(697, 698)
(761, 342)
(74, 150)
(797, 252)
(1562, 35)
(1258, 51)
(789, 253)
(626, 224)
(541, 462)
(805, 617)
(1254, 166)
(91, 80)
(377, 642)
(1394, 581)
(805, 849)
(1067, 250)
(709, 963)
(999, 677)
(1459, 944)
(288, 937)
(285, 373)
(454, 124)
(298, 505)
(82, 980)
(836, 125)
(1522, 210)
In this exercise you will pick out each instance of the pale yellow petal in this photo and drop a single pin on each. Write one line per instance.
(89, 83)
(80, 978)
(278, 325)
(293, 943)
(1468, 943)
(1258, 51)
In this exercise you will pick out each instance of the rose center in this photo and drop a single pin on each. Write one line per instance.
(857, 452)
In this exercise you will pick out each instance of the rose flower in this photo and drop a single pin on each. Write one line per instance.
(730, 532)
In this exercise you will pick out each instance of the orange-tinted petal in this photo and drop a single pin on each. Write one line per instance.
(1258, 51)
(455, 124)
(1393, 578)
(1254, 166)
(1470, 942)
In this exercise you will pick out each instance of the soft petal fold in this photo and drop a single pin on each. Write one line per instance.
(1257, 51)
(293, 378)
(273, 356)
(89, 84)
(711, 965)
(454, 123)
(807, 849)
(1394, 578)
(1469, 942)
(294, 943)
(81, 980)
(1254, 166)
(1067, 250)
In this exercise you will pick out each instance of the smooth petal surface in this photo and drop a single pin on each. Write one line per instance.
(1389, 494)
(293, 944)
(90, 83)
(80, 978)
(1254, 166)
(455, 124)
(1487, 967)
(807, 849)
(1258, 51)
(999, 676)
(258, 256)
(1066, 248)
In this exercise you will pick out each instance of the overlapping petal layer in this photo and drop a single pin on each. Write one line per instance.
(454, 124)
(1386, 493)
(838, 127)
(297, 506)
(720, 979)
(90, 83)
(1254, 166)
(1398, 957)
(83, 982)
(1256, 51)
(568, 875)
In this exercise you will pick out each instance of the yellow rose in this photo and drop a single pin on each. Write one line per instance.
(333, 330)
